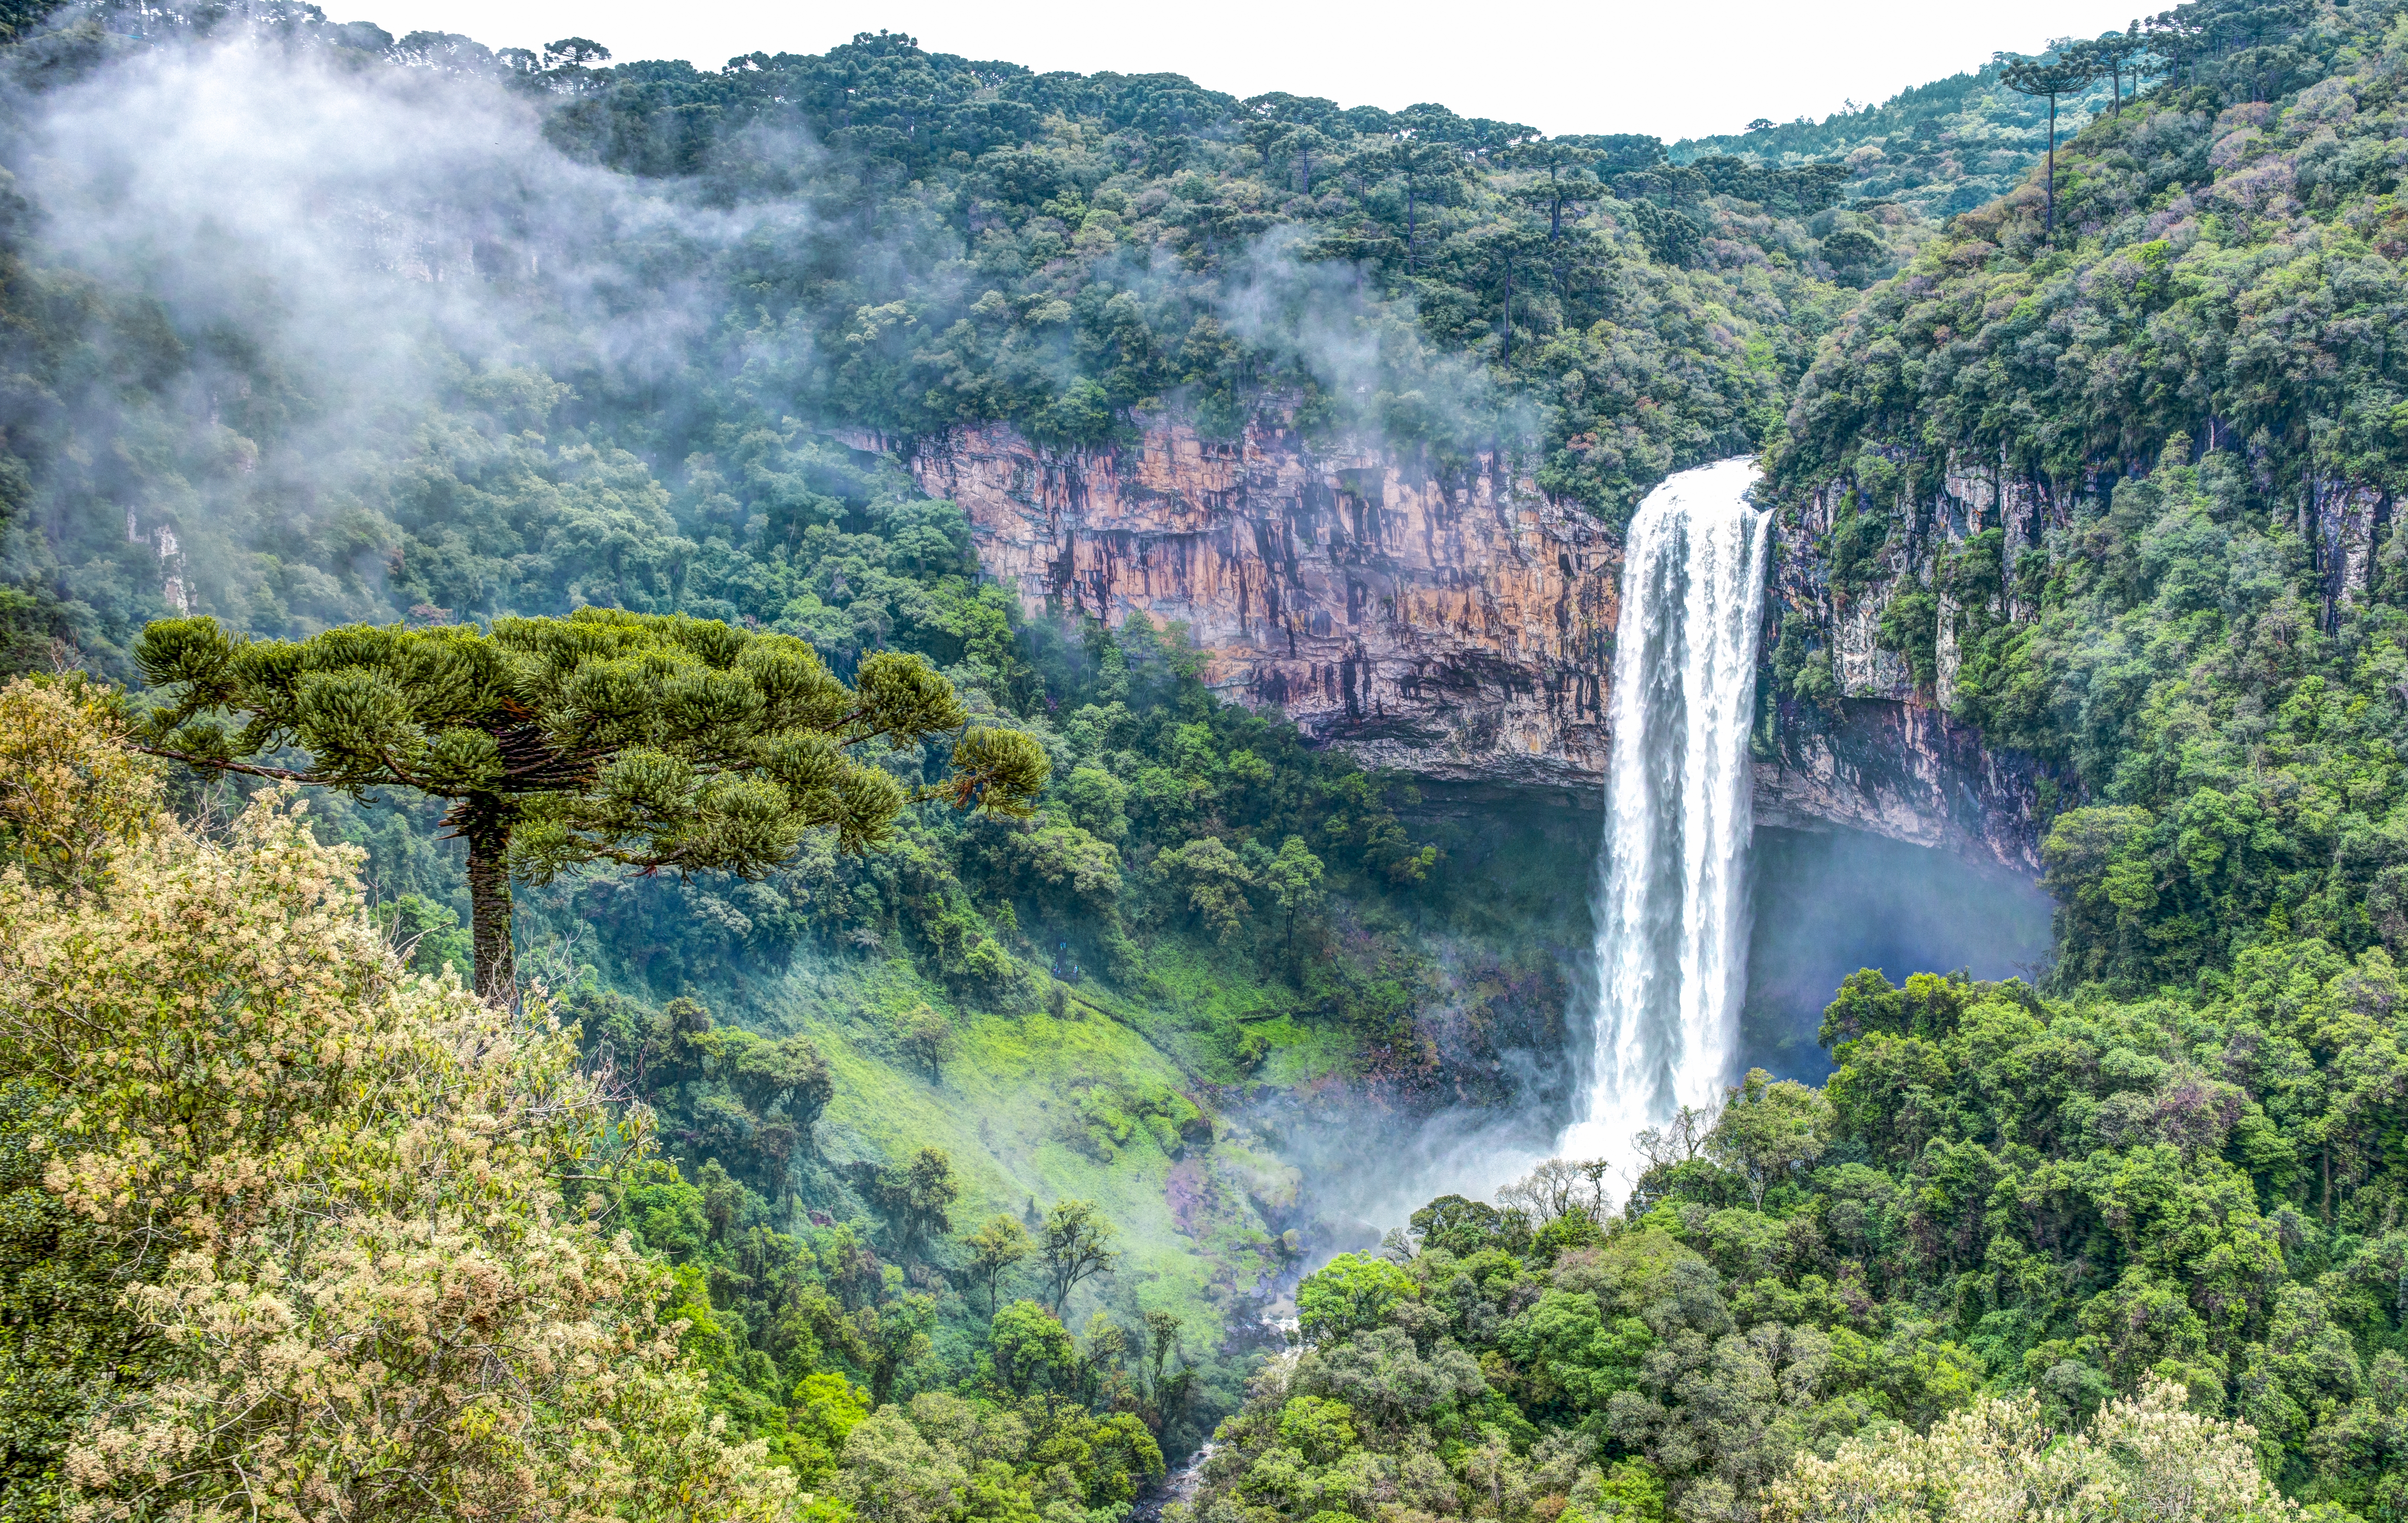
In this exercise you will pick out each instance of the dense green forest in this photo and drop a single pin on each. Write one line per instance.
(589, 395)
(2198, 376)
(1939, 148)
(878, 1082)
(2170, 581)
(960, 1159)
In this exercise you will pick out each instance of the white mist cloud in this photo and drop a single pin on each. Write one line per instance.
(364, 227)
(303, 272)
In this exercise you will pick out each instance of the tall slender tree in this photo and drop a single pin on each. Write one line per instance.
(1567, 178)
(1427, 167)
(1508, 247)
(1284, 130)
(2178, 36)
(2110, 54)
(2068, 71)
(1564, 179)
(648, 741)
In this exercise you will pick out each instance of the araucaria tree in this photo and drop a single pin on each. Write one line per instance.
(2070, 71)
(650, 741)
(326, 1192)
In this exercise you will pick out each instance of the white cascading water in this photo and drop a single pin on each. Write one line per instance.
(1672, 892)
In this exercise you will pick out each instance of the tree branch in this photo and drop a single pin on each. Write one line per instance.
(280, 774)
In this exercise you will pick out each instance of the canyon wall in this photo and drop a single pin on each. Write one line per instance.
(1454, 623)
(1449, 621)
(1891, 761)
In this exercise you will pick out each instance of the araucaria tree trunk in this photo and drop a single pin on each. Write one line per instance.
(469, 712)
(2048, 229)
(486, 824)
(1509, 312)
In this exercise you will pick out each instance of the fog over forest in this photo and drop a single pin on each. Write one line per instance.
(877, 788)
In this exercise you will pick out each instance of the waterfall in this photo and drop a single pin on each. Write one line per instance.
(1671, 892)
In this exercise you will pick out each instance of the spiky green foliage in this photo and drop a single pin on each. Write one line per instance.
(642, 741)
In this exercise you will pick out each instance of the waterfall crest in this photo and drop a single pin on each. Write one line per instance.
(1671, 893)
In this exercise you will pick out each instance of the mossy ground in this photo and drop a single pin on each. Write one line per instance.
(1116, 1100)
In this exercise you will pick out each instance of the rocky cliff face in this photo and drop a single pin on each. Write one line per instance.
(1891, 762)
(1901, 769)
(1453, 623)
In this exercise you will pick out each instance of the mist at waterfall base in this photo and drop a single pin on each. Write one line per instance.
(1829, 902)
(1665, 973)
(1826, 903)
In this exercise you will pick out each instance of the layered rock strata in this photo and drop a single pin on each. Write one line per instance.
(1902, 770)
(1891, 761)
(1452, 623)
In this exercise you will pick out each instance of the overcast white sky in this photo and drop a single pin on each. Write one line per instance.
(1673, 67)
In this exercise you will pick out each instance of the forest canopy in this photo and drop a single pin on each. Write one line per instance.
(935, 1183)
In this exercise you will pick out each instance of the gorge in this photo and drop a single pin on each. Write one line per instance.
(1453, 624)
(1155, 785)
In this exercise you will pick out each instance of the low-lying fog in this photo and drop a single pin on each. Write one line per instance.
(1827, 903)
(1831, 903)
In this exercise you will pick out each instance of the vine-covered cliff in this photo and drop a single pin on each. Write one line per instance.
(2116, 494)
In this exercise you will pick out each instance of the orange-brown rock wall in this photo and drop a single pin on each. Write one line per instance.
(1453, 623)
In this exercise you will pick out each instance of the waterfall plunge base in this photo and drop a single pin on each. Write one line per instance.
(1672, 890)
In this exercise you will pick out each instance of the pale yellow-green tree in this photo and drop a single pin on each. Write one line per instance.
(1075, 1245)
(377, 1303)
(2145, 1457)
(996, 1249)
(71, 794)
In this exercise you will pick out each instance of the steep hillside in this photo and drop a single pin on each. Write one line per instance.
(597, 336)
(2114, 496)
(2120, 498)
(2085, 556)
(614, 390)
(986, 272)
